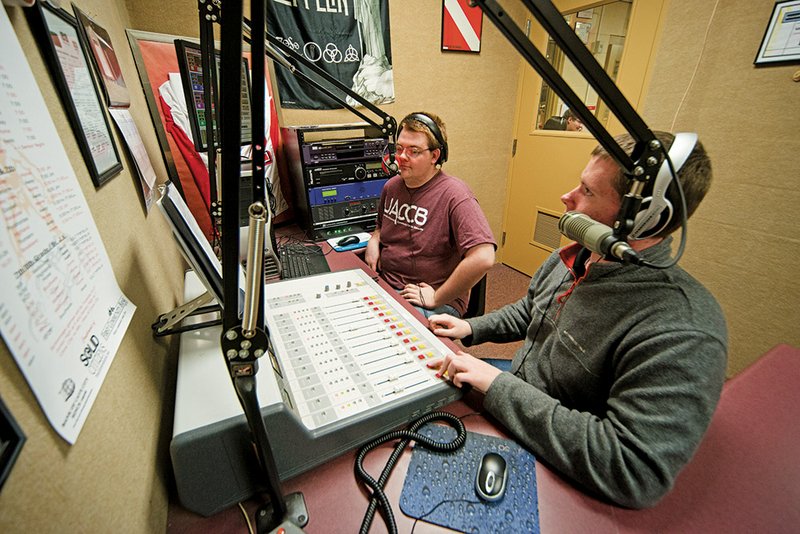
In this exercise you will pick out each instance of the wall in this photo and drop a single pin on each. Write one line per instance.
(743, 239)
(115, 477)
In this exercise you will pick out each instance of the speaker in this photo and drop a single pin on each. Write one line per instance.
(656, 210)
(437, 134)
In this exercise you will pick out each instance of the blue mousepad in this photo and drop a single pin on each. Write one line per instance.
(440, 487)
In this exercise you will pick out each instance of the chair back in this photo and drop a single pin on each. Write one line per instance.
(477, 299)
(555, 122)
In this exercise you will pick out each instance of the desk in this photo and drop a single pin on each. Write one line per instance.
(744, 478)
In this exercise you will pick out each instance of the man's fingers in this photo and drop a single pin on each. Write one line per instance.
(456, 379)
(436, 366)
(443, 366)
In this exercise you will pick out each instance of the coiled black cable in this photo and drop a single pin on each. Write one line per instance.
(405, 436)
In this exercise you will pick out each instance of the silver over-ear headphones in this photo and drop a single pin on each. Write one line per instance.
(656, 209)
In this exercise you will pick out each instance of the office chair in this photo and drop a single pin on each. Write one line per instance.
(556, 122)
(477, 299)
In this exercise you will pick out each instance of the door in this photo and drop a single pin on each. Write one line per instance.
(548, 163)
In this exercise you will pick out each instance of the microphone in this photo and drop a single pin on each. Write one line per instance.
(597, 237)
(388, 162)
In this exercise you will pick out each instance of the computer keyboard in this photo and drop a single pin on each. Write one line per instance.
(300, 260)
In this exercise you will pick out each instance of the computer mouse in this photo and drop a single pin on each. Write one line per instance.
(490, 481)
(349, 240)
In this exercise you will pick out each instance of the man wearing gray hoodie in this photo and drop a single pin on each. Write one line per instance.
(622, 365)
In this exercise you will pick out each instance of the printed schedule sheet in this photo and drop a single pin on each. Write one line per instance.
(62, 313)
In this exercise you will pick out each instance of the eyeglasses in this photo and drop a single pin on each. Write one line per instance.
(409, 152)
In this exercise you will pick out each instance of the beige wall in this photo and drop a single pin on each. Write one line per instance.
(743, 241)
(116, 476)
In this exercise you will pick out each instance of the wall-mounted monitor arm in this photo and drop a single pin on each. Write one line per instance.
(643, 164)
(209, 13)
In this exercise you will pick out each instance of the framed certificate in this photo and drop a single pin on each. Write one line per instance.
(12, 439)
(97, 40)
(56, 32)
(781, 42)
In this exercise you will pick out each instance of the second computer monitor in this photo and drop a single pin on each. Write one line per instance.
(193, 80)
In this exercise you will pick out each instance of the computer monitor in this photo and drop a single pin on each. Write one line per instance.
(191, 68)
(190, 239)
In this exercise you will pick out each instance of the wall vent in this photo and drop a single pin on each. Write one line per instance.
(545, 231)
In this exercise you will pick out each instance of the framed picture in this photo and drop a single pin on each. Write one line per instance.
(781, 42)
(97, 40)
(11, 441)
(56, 31)
(461, 26)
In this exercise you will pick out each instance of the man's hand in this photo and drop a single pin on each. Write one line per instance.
(462, 368)
(421, 295)
(449, 326)
(372, 254)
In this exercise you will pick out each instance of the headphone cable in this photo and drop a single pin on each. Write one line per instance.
(379, 497)
(541, 321)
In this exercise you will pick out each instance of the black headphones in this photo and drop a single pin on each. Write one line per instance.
(437, 134)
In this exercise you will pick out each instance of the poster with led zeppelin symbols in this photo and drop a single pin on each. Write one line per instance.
(349, 40)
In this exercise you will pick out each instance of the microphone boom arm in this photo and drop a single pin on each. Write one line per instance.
(288, 58)
(245, 340)
(642, 164)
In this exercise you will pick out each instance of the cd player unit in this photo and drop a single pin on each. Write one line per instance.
(336, 176)
(339, 150)
(345, 172)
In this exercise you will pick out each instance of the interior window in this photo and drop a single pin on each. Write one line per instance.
(602, 29)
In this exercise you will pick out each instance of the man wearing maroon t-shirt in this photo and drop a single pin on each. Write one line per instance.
(432, 242)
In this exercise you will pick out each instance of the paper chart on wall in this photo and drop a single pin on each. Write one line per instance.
(147, 176)
(62, 314)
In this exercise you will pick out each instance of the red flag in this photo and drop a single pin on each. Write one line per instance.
(461, 26)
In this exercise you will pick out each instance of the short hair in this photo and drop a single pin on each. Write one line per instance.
(415, 125)
(568, 114)
(695, 177)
